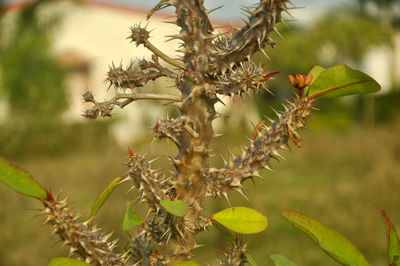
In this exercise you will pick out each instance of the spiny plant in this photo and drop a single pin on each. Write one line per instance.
(213, 65)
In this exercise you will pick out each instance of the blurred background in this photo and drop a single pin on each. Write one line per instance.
(348, 169)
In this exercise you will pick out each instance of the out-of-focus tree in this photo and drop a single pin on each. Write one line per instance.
(32, 77)
(343, 35)
(388, 13)
(32, 81)
(386, 10)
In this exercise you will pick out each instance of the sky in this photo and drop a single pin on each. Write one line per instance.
(231, 8)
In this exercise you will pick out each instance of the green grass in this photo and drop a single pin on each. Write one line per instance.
(341, 178)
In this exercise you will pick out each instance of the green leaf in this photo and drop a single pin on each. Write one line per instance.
(224, 231)
(175, 207)
(242, 220)
(186, 263)
(332, 242)
(315, 71)
(393, 242)
(340, 81)
(131, 218)
(250, 259)
(280, 260)
(104, 195)
(20, 180)
(66, 262)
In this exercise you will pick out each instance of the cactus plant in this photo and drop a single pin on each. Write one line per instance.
(212, 65)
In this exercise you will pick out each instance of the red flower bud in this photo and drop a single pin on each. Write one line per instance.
(308, 80)
(293, 81)
(300, 80)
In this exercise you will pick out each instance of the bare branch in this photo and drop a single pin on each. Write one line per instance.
(252, 37)
(264, 147)
(151, 185)
(105, 108)
(141, 35)
(247, 76)
(84, 239)
(131, 78)
(147, 96)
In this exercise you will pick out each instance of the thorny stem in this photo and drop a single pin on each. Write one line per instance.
(191, 159)
(212, 64)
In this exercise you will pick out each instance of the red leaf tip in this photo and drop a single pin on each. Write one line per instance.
(50, 196)
(270, 75)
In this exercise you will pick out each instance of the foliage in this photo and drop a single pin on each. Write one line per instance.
(355, 33)
(213, 65)
(20, 180)
(280, 260)
(242, 220)
(66, 262)
(131, 219)
(32, 80)
(388, 10)
(104, 195)
(340, 81)
(332, 242)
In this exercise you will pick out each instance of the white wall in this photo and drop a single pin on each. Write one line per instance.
(99, 33)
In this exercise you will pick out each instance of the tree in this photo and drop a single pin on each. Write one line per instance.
(32, 79)
(388, 13)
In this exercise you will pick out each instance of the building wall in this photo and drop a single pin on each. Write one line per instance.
(99, 33)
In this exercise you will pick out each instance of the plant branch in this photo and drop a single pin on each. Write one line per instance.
(242, 79)
(84, 239)
(141, 35)
(147, 96)
(131, 78)
(268, 141)
(105, 108)
(252, 37)
(163, 56)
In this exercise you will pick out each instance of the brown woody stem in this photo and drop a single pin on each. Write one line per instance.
(148, 96)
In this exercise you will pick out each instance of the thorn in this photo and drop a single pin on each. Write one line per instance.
(241, 192)
(275, 111)
(124, 180)
(276, 153)
(155, 159)
(225, 162)
(258, 175)
(226, 197)
(212, 10)
(265, 54)
(266, 166)
(277, 32)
